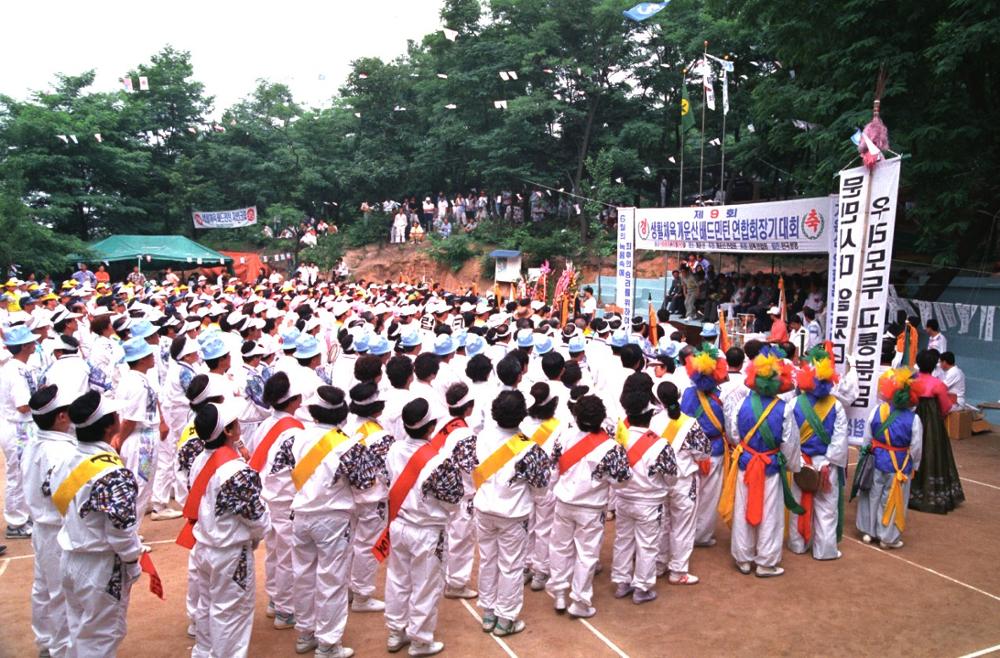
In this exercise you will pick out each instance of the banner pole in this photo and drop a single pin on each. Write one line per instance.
(704, 96)
(680, 189)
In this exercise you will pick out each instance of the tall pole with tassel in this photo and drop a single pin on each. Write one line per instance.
(704, 100)
(725, 111)
(680, 187)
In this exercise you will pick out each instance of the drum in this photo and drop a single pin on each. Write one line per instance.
(808, 479)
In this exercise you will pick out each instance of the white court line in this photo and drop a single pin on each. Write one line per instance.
(160, 541)
(602, 638)
(927, 569)
(21, 557)
(982, 484)
(983, 652)
(503, 645)
(3, 565)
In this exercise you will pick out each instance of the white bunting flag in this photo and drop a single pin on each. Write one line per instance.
(965, 314)
(706, 83)
(98, 137)
(127, 85)
(751, 129)
(357, 114)
(192, 130)
(504, 76)
(500, 105)
(672, 160)
(512, 74)
(619, 180)
(945, 314)
(143, 83)
(64, 138)
(715, 142)
(576, 207)
(725, 91)
(647, 170)
(907, 307)
(399, 108)
(450, 35)
(874, 150)
(450, 106)
(243, 260)
(190, 260)
(199, 261)
(75, 140)
(986, 323)
(362, 76)
(232, 122)
(926, 310)
(443, 76)
(263, 259)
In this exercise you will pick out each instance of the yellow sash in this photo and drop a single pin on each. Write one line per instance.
(514, 446)
(727, 501)
(84, 472)
(895, 508)
(822, 409)
(621, 433)
(368, 428)
(712, 418)
(544, 431)
(187, 434)
(673, 427)
(312, 459)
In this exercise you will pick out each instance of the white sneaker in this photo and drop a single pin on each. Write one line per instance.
(367, 604)
(305, 643)
(165, 514)
(866, 538)
(560, 602)
(538, 581)
(683, 579)
(705, 544)
(744, 568)
(896, 544)
(334, 651)
(460, 593)
(579, 611)
(397, 640)
(270, 612)
(769, 572)
(145, 548)
(283, 622)
(191, 631)
(426, 648)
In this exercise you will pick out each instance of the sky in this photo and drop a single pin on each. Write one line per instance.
(232, 44)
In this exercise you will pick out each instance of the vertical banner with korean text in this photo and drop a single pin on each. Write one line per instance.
(625, 269)
(865, 226)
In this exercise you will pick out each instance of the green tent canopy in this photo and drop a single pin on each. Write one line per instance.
(154, 251)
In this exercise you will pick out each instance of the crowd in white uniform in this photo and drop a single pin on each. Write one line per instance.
(350, 425)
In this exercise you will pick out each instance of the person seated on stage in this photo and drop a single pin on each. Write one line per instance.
(953, 377)
(779, 330)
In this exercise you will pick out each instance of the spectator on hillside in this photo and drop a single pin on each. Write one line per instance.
(445, 229)
(398, 233)
(427, 214)
(84, 276)
(102, 275)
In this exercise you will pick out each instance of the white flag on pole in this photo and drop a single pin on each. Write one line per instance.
(75, 140)
(98, 137)
(725, 91)
(986, 323)
(500, 105)
(64, 138)
(143, 83)
(127, 84)
(450, 35)
(706, 83)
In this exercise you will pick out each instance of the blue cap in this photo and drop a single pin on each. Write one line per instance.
(460, 337)
(444, 345)
(208, 334)
(543, 344)
(289, 337)
(410, 338)
(142, 329)
(136, 348)
(306, 347)
(709, 330)
(577, 344)
(19, 335)
(361, 343)
(379, 345)
(619, 338)
(211, 349)
(525, 338)
(474, 345)
(667, 347)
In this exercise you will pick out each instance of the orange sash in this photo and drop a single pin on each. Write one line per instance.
(640, 447)
(408, 478)
(221, 456)
(259, 458)
(754, 477)
(583, 447)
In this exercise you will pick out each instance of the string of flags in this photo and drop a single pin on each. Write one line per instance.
(130, 88)
(950, 316)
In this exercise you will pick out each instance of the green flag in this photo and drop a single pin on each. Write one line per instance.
(687, 118)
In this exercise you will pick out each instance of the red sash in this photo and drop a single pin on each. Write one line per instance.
(259, 458)
(219, 457)
(640, 447)
(407, 478)
(804, 523)
(583, 447)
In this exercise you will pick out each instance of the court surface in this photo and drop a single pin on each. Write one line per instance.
(937, 596)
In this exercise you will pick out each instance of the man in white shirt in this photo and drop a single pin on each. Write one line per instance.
(17, 382)
(954, 379)
(588, 307)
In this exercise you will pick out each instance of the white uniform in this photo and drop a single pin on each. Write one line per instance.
(321, 554)
(414, 579)
(70, 372)
(638, 512)
(582, 493)
(503, 504)
(370, 507)
(677, 534)
(41, 458)
(276, 476)
(460, 446)
(176, 413)
(540, 529)
(139, 404)
(100, 544)
(232, 519)
(17, 383)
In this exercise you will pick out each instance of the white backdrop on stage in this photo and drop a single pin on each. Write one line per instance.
(858, 275)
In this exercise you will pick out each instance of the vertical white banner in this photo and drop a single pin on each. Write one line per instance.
(624, 273)
(865, 228)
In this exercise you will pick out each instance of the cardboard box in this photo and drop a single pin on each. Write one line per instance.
(959, 425)
(980, 425)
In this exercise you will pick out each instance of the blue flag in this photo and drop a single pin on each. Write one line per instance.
(644, 10)
(856, 137)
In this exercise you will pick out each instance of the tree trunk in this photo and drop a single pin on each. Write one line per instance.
(81, 218)
(584, 147)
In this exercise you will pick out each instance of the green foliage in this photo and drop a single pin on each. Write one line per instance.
(452, 252)
(327, 253)
(33, 247)
(596, 100)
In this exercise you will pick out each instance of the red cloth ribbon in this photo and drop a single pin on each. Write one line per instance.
(155, 584)
(754, 477)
